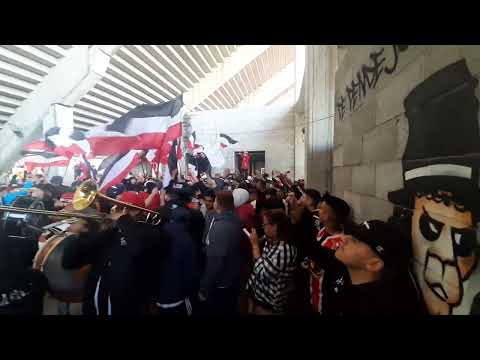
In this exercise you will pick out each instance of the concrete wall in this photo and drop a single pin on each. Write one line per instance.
(256, 128)
(381, 148)
(299, 146)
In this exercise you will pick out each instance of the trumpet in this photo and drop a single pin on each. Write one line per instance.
(87, 192)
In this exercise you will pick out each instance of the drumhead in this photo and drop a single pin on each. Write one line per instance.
(65, 285)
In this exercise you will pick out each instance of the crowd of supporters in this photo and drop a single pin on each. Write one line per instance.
(262, 245)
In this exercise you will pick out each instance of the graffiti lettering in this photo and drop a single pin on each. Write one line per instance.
(367, 78)
(341, 107)
(396, 49)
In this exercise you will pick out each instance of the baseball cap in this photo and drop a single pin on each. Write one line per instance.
(384, 239)
(131, 197)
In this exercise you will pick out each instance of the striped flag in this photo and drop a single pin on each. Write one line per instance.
(34, 161)
(37, 147)
(143, 128)
(118, 168)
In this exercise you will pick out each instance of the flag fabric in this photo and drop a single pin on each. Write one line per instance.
(34, 161)
(86, 168)
(214, 155)
(108, 161)
(36, 147)
(166, 175)
(192, 142)
(226, 140)
(143, 128)
(67, 143)
(119, 169)
(173, 156)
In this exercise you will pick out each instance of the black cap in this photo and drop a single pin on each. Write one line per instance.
(338, 205)
(314, 194)
(385, 240)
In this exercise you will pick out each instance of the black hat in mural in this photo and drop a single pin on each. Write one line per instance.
(443, 147)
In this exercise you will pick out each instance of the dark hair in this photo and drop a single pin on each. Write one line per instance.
(209, 193)
(284, 226)
(314, 195)
(225, 200)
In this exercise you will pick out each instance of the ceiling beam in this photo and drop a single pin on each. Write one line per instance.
(223, 73)
(161, 75)
(66, 83)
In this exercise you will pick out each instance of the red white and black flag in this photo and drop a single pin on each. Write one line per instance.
(35, 161)
(143, 128)
(60, 142)
(118, 167)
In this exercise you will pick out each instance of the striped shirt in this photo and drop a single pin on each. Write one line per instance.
(271, 281)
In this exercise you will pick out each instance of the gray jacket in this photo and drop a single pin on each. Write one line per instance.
(224, 255)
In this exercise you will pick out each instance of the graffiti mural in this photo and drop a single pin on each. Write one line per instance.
(441, 188)
(367, 78)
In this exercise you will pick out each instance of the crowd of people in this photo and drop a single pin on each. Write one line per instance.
(225, 245)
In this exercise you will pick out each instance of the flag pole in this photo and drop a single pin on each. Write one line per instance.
(186, 132)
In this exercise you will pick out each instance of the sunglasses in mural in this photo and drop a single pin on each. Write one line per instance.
(441, 186)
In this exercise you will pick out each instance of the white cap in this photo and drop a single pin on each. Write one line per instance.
(240, 197)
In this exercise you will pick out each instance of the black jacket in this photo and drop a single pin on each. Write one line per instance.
(176, 277)
(394, 297)
(119, 266)
(224, 255)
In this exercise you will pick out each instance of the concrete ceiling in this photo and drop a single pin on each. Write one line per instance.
(22, 69)
(250, 78)
(144, 74)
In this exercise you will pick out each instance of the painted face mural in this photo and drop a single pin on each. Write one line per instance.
(441, 186)
(443, 237)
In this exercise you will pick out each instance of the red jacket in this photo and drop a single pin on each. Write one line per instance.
(246, 162)
(246, 213)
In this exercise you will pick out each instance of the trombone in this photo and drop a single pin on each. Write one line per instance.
(15, 209)
(87, 192)
(84, 196)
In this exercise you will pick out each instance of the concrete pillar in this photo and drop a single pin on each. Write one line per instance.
(320, 67)
(59, 115)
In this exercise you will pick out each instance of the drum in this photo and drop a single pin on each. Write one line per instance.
(65, 285)
(55, 228)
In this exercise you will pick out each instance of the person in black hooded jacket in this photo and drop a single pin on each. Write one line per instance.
(176, 278)
(119, 282)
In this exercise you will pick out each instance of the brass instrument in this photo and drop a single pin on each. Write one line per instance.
(48, 212)
(87, 192)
